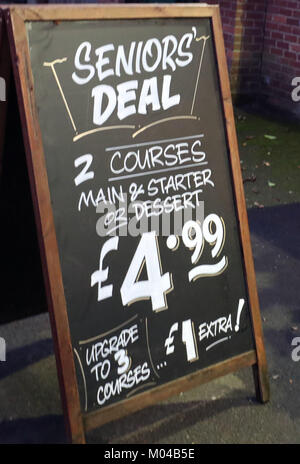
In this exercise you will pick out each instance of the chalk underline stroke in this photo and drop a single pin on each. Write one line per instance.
(89, 340)
(155, 142)
(216, 343)
(204, 38)
(157, 171)
(99, 129)
(51, 65)
(145, 385)
(161, 121)
(84, 381)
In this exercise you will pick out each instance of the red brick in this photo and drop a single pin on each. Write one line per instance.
(254, 15)
(273, 26)
(291, 38)
(283, 45)
(291, 4)
(277, 35)
(260, 6)
(279, 19)
(273, 10)
(254, 31)
(270, 42)
(260, 24)
(277, 51)
(290, 55)
(295, 48)
(229, 13)
(248, 23)
(292, 21)
(286, 12)
(229, 29)
(258, 40)
(284, 28)
(249, 6)
(282, 3)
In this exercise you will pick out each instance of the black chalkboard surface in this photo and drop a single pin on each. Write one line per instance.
(138, 165)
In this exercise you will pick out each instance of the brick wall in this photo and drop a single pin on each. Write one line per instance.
(262, 38)
(228, 12)
(243, 25)
(281, 56)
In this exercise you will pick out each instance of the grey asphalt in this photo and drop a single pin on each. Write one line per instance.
(223, 411)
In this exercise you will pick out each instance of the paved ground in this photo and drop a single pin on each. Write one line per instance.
(223, 411)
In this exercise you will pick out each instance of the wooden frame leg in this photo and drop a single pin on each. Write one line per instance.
(261, 383)
(5, 73)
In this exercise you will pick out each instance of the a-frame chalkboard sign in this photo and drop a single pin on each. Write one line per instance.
(138, 196)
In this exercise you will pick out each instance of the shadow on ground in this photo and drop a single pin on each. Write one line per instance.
(22, 357)
(36, 430)
(279, 225)
(155, 424)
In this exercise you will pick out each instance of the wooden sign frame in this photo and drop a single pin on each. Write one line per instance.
(78, 423)
(5, 69)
